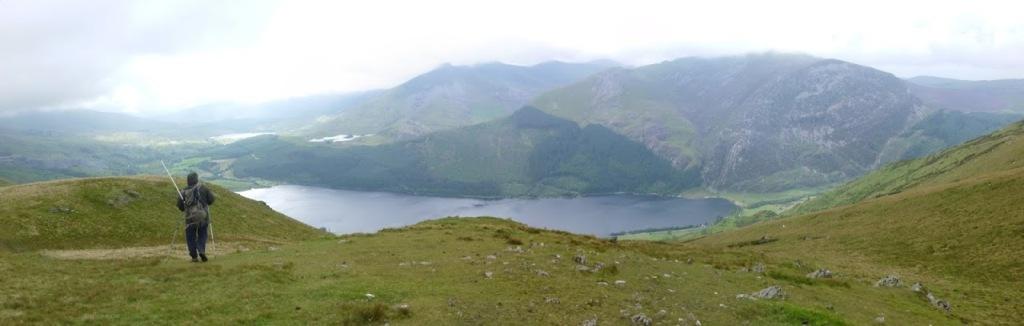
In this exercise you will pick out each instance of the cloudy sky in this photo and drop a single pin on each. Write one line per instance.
(155, 56)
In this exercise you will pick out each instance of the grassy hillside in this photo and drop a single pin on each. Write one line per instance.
(960, 239)
(527, 154)
(999, 151)
(952, 221)
(122, 212)
(450, 271)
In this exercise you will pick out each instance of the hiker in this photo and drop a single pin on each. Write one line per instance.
(195, 202)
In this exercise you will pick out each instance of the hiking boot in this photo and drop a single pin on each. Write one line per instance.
(203, 257)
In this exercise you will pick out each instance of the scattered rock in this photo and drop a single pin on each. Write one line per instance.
(589, 322)
(758, 268)
(689, 260)
(620, 283)
(917, 287)
(516, 249)
(491, 257)
(488, 274)
(602, 283)
(641, 319)
(580, 259)
(582, 268)
(880, 319)
(820, 273)
(891, 281)
(939, 303)
(403, 309)
(370, 296)
(598, 266)
(542, 273)
(771, 292)
(552, 300)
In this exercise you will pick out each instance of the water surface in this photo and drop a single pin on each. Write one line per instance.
(345, 211)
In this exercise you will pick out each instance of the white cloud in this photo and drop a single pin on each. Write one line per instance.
(137, 57)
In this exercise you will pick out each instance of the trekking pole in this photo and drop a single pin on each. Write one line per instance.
(178, 190)
(213, 243)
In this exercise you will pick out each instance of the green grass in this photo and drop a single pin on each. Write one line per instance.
(438, 269)
(5, 182)
(960, 239)
(125, 211)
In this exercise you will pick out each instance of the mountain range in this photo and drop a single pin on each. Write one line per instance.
(755, 123)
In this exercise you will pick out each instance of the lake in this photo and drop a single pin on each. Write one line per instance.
(345, 211)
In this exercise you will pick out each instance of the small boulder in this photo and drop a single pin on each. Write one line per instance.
(939, 303)
(771, 292)
(488, 274)
(641, 319)
(880, 319)
(758, 268)
(580, 259)
(589, 322)
(820, 273)
(620, 283)
(542, 273)
(917, 287)
(890, 281)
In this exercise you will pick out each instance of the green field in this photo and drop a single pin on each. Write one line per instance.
(437, 273)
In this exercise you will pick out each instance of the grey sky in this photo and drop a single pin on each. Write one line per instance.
(148, 56)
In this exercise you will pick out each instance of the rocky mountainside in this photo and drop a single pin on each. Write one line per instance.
(761, 122)
(972, 96)
(452, 96)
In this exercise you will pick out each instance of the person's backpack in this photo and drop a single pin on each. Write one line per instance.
(195, 206)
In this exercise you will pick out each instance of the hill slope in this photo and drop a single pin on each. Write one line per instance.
(527, 154)
(124, 212)
(996, 152)
(951, 220)
(452, 96)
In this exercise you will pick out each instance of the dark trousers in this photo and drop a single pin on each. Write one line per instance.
(195, 236)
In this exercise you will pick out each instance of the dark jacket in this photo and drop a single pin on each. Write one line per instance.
(205, 196)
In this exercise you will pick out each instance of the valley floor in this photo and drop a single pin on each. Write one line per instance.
(449, 271)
